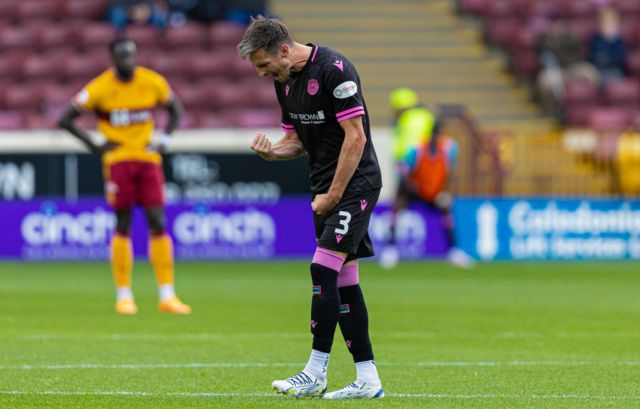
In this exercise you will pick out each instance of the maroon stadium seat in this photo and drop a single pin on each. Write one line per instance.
(541, 8)
(525, 62)
(42, 66)
(579, 8)
(95, 35)
(22, 97)
(167, 64)
(623, 92)
(609, 119)
(11, 64)
(581, 92)
(524, 37)
(14, 37)
(252, 118)
(583, 28)
(191, 35)
(473, 6)
(30, 10)
(85, 66)
(210, 119)
(502, 31)
(628, 7)
(84, 9)
(143, 36)
(206, 63)
(633, 61)
(225, 34)
(55, 35)
(579, 114)
(10, 120)
(191, 96)
(628, 30)
(501, 8)
(8, 9)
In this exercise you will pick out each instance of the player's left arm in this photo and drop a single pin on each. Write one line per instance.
(355, 140)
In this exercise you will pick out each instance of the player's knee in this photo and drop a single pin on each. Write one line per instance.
(328, 259)
(156, 222)
(123, 222)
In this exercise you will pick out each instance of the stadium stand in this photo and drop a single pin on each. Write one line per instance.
(50, 48)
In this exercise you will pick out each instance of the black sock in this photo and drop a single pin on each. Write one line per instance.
(354, 323)
(325, 306)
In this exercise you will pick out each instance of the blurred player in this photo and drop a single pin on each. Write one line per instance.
(425, 161)
(324, 116)
(122, 98)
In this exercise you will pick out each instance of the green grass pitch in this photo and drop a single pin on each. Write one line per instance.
(505, 335)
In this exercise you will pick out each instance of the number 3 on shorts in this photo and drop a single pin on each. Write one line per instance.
(345, 218)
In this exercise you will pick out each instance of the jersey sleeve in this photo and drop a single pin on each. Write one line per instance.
(89, 97)
(163, 89)
(342, 82)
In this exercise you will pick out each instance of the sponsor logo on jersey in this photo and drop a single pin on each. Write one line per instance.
(313, 87)
(345, 90)
(307, 119)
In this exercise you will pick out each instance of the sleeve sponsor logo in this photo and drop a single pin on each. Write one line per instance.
(345, 90)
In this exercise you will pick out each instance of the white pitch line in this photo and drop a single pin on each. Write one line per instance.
(274, 395)
(299, 364)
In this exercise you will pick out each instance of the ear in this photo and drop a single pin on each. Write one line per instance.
(285, 50)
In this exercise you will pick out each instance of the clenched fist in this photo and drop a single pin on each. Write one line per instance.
(262, 146)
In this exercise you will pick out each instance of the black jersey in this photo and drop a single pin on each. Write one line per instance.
(314, 100)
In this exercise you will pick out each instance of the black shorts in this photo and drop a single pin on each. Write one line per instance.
(345, 229)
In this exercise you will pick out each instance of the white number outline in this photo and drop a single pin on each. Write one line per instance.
(343, 222)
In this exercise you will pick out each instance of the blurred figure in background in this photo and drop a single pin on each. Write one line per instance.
(425, 160)
(607, 51)
(123, 97)
(137, 12)
(560, 54)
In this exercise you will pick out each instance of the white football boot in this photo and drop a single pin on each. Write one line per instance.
(301, 385)
(357, 390)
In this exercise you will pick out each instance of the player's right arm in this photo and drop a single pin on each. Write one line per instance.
(289, 147)
(67, 123)
(84, 101)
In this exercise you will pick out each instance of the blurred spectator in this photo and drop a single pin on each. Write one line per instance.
(607, 51)
(137, 12)
(560, 57)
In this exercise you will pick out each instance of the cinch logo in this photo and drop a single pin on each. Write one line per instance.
(238, 228)
(318, 116)
(49, 227)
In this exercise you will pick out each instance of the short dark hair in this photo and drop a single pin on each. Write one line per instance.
(120, 40)
(263, 32)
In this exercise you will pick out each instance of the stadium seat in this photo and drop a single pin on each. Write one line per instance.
(14, 37)
(85, 66)
(32, 10)
(541, 8)
(206, 63)
(11, 64)
(583, 28)
(54, 36)
(252, 118)
(609, 119)
(581, 92)
(502, 31)
(224, 34)
(524, 37)
(473, 6)
(633, 61)
(628, 7)
(22, 97)
(10, 121)
(41, 66)
(167, 64)
(191, 35)
(580, 8)
(143, 36)
(84, 9)
(525, 62)
(501, 8)
(210, 119)
(8, 9)
(95, 35)
(578, 114)
(191, 96)
(624, 92)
